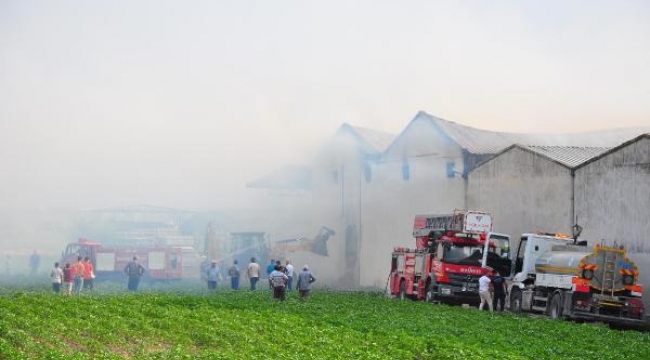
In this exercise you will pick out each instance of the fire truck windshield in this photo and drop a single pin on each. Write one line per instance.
(77, 250)
(461, 253)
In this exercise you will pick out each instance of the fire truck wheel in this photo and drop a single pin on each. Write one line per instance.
(402, 290)
(555, 306)
(515, 301)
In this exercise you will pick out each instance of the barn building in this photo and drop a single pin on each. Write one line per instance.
(368, 185)
(612, 201)
(529, 188)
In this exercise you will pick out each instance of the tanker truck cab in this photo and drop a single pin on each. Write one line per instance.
(531, 247)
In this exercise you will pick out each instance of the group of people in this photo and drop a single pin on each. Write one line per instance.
(280, 277)
(73, 277)
(492, 290)
(80, 275)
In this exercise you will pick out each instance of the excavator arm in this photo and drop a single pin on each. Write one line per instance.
(317, 245)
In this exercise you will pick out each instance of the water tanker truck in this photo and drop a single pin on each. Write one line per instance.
(553, 275)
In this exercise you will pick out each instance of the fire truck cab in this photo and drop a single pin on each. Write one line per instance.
(452, 252)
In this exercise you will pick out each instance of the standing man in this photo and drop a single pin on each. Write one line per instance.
(234, 274)
(212, 276)
(288, 270)
(57, 277)
(34, 262)
(253, 273)
(305, 278)
(278, 281)
(78, 271)
(484, 290)
(67, 278)
(270, 267)
(499, 291)
(134, 270)
(89, 274)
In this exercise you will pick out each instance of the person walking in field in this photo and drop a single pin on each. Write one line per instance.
(78, 270)
(499, 291)
(484, 290)
(305, 279)
(34, 262)
(89, 274)
(67, 279)
(212, 276)
(57, 277)
(234, 274)
(253, 273)
(278, 281)
(269, 269)
(134, 270)
(288, 270)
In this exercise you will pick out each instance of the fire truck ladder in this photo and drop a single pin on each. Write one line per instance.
(610, 272)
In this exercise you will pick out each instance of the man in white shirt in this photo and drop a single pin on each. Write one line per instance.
(253, 272)
(57, 277)
(484, 289)
(288, 270)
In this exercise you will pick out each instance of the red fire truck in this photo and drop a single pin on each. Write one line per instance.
(161, 262)
(452, 252)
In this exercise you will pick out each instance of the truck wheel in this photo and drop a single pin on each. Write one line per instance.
(515, 301)
(402, 290)
(554, 310)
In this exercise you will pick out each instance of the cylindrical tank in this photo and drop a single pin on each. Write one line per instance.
(563, 262)
(607, 269)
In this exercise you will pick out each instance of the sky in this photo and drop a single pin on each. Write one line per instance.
(179, 104)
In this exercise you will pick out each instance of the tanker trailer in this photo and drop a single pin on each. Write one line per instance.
(556, 277)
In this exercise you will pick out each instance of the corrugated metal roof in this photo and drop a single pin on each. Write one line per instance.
(571, 156)
(378, 141)
(616, 148)
(479, 141)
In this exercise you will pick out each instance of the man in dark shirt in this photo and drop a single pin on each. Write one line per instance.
(134, 270)
(500, 291)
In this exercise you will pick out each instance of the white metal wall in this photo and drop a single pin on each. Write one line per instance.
(613, 202)
(525, 192)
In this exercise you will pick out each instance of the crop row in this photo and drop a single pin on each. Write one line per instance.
(250, 325)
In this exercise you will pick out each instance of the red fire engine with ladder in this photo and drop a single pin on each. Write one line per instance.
(452, 252)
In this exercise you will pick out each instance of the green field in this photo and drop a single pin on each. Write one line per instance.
(35, 324)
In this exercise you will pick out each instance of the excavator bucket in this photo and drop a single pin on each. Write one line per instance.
(317, 245)
(320, 242)
(320, 247)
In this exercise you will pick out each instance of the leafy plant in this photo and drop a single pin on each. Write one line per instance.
(250, 325)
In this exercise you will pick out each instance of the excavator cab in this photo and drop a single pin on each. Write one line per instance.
(248, 244)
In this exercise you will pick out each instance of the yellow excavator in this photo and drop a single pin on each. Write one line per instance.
(244, 245)
(317, 245)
